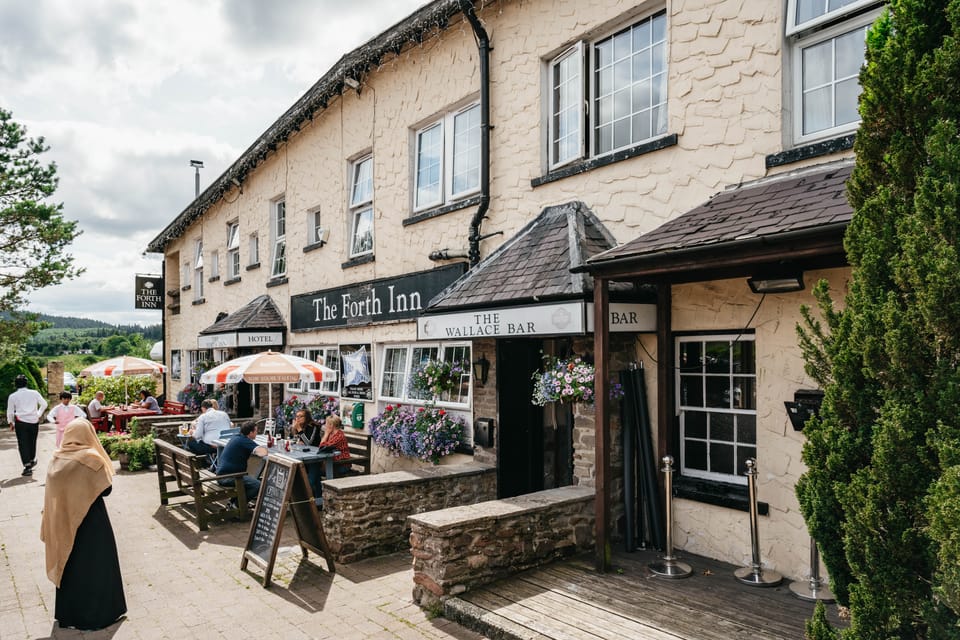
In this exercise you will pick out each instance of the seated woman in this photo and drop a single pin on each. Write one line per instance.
(333, 436)
(147, 401)
(304, 430)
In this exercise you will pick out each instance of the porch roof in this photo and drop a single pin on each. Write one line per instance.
(798, 217)
(260, 313)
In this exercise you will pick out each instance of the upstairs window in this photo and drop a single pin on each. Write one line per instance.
(361, 207)
(198, 270)
(214, 264)
(828, 47)
(448, 158)
(254, 250)
(278, 228)
(315, 231)
(233, 250)
(627, 85)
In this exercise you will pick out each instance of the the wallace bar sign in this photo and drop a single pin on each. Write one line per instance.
(382, 300)
(148, 292)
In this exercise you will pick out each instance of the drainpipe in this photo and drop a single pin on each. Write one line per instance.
(483, 45)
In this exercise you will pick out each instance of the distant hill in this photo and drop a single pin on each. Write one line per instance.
(70, 322)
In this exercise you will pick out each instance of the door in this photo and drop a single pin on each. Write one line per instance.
(520, 435)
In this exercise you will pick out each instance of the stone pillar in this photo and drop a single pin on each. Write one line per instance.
(54, 381)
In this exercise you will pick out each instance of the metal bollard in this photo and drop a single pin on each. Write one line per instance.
(755, 575)
(670, 567)
(814, 589)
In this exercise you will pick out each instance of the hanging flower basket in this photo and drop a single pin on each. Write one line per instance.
(434, 378)
(567, 380)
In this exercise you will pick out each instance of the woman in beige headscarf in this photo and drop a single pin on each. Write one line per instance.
(81, 550)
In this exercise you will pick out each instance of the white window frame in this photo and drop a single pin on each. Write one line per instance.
(198, 269)
(327, 356)
(214, 264)
(450, 153)
(559, 106)
(193, 357)
(412, 355)
(361, 206)
(742, 446)
(278, 233)
(233, 250)
(314, 227)
(254, 244)
(811, 33)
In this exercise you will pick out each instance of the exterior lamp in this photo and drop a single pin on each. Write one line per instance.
(777, 284)
(481, 369)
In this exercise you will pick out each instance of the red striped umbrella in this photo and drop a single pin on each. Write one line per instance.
(123, 366)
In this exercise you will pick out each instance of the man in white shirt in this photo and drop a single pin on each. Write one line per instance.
(207, 429)
(24, 408)
(95, 406)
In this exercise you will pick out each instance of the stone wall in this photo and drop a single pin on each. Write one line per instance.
(464, 547)
(366, 516)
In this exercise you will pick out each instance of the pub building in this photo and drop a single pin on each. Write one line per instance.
(492, 182)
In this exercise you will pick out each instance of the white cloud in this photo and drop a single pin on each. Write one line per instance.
(127, 92)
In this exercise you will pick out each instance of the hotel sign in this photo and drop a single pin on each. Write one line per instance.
(232, 339)
(565, 318)
(372, 302)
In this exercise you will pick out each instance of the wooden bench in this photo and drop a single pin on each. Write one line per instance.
(359, 451)
(172, 408)
(210, 499)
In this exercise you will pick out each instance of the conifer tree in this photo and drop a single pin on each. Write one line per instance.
(881, 494)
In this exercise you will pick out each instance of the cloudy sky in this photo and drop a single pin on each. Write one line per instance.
(127, 92)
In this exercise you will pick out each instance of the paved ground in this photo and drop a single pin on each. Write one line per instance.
(183, 583)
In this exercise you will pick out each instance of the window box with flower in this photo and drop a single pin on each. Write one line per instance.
(567, 380)
(426, 433)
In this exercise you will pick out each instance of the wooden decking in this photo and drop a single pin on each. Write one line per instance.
(571, 601)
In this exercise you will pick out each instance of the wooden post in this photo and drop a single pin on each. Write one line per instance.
(601, 348)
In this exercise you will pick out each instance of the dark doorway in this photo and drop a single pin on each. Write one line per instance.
(520, 434)
(244, 406)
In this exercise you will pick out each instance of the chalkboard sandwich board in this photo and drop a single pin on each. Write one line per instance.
(284, 484)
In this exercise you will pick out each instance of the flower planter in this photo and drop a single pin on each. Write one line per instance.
(124, 459)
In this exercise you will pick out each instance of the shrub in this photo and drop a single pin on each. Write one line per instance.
(116, 389)
(425, 433)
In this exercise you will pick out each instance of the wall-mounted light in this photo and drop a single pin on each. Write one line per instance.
(322, 235)
(481, 369)
(780, 283)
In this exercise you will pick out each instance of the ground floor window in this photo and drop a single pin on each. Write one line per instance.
(199, 361)
(400, 361)
(717, 405)
(328, 357)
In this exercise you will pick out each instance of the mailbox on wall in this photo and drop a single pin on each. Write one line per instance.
(806, 404)
(483, 432)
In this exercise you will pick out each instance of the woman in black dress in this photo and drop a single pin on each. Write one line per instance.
(81, 551)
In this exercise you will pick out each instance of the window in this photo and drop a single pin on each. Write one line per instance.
(628, 84)
(199, 361)
(315, 230)
(448, 158)
(327, 356)
(717, 405)
(215, 264)
(175, 364)
(254, 250)
(826, 60)
(233, 250)
(399, 362)
(278, 229)
(361, 208)
(198, 270)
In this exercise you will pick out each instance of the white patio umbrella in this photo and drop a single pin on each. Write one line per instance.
(268, 367)
(123, 366)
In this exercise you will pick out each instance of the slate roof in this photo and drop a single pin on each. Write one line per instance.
(807, 199)
(535, 263)
(259, 313)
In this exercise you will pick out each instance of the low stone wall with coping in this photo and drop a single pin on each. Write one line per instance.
(366, 516)
(464, 547)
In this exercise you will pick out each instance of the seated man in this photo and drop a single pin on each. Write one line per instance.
(95, 407)
(235, 457)
(207, 429)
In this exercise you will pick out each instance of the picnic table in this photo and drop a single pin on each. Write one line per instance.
(123, 414)
(304, 454)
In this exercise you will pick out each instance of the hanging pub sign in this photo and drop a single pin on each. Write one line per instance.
(148, 292)
(356, 381)
(384, 300)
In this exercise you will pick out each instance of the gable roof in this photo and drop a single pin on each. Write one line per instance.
(259, 313)
(359, 63)
(534, 264)
(797, 215)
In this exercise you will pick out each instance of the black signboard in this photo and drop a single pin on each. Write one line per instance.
(148, 292)
(356, 379)
(284, 484)
(383, 300)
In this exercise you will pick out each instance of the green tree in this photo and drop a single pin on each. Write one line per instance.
(33, 232)
(882, 487)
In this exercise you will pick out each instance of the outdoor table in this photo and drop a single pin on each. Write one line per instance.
(122, 414)
(313, 456)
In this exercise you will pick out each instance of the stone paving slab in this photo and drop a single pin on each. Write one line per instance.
(184, 583)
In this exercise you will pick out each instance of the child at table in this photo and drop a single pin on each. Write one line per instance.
(64, 413)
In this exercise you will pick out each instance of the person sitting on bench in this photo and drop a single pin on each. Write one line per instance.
(207, 429)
